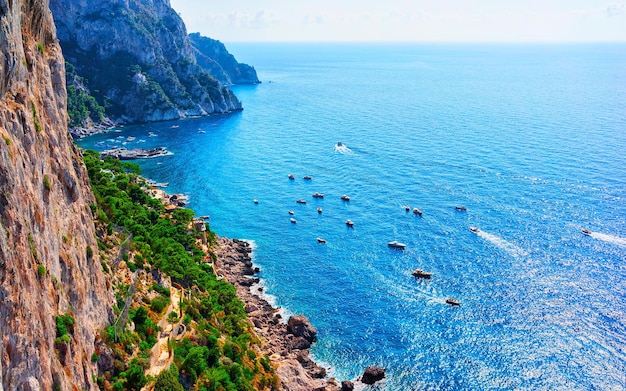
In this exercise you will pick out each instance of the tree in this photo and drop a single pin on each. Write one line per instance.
(168, 380)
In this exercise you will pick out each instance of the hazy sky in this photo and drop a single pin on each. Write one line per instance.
(406, 20)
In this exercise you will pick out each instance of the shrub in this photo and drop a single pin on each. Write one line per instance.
(46, 182)
(89, 252)
(94, 357)
(41, 270)
(159, 303)
(40, 47)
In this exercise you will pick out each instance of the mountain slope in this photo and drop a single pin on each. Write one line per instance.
(49, 264)
(138, 60)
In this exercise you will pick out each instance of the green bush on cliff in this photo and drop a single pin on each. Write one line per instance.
(81, 105)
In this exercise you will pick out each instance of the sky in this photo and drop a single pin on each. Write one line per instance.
(406, 20)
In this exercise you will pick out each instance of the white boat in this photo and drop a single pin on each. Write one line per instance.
(585, 231)
(345, 198)
(349, 223)
(417, 211)
(320, 240)
(293, 220)
(319, 209)
(452, 301)
(256, 201)
(461, 208)
(396, 244)
(407, 208)
(318, 195)
(307, 177)
(291, 176)
(474, 229)
(291, 212)
(301, 201)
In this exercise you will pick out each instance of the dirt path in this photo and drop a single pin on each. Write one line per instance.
(160, 356)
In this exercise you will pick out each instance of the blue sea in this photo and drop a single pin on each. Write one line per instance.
(531, 139)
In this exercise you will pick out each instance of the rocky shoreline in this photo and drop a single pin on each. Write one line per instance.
(286, 343)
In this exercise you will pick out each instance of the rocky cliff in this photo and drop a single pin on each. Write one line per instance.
(212, 55)
(138, 60)
(49, 261)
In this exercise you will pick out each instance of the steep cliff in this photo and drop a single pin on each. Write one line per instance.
(212, 55)
(137, 60)
(49, 262)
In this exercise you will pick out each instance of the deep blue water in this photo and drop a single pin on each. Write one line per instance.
(530, 138)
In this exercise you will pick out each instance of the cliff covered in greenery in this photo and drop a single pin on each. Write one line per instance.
(135, 58)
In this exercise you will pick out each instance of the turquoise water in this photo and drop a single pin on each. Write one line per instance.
(530, 138)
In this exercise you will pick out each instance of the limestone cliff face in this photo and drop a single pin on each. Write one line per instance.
(46, 226)
(138, 60)
(212, 55)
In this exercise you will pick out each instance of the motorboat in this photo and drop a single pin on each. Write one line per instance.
(452, 301)
(586, 231)
(396, 244)
(417, 211)
(307, 177)
(460, 208)
(419, 273)
(318, 195)
(291, 176)
(474, 229)
(319, 209)
(345, 198)
(407, 208)
(293, 220)
(291, 212)
(320, 240)
(349, 223)
(256, 201)
(301, 201)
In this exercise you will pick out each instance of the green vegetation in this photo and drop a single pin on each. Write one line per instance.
(40, 47)
(221, 354)
(46, 182)
(38, 127)
(7, 141)
(64, 326)
(80, 104)
(41, 271)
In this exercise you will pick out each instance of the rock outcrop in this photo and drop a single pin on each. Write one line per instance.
(137, 60)
(49, 263)
(372, 374)
(212, 55)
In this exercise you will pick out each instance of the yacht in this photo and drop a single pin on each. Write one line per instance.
(345, 198)
(586, 231)
(396, 244)
(452, 301)
(474, 229)
(293, 220)
(318, 195)
(319, 209)
(419, 273)
(349, 223)
(320, 240)
(307, 177)
(291, 176)
(417, 211)
(301, 201)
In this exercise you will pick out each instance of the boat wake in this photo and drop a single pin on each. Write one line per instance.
(509, 247)
(609, 238)
(341, 148)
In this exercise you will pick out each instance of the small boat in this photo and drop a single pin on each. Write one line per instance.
(318, 195)
(396, 244)
(174, 126)
(131, 138)
(419, 273)
(345, 198)
(474, 229)
(256, 201)
(452, 301)
(407, 208)
(292, 177)
(320, 240)
(301, 201)
(585, 231)
(349, 223)
(460, 208)
(417, 211)
(307, 177)
(293, 220)
(319, 209)
(291, 212)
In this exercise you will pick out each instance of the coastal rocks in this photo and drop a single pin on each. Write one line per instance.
(300, 326)
(372, 374)
(347, 385)
(288, 350)
(137, 153)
